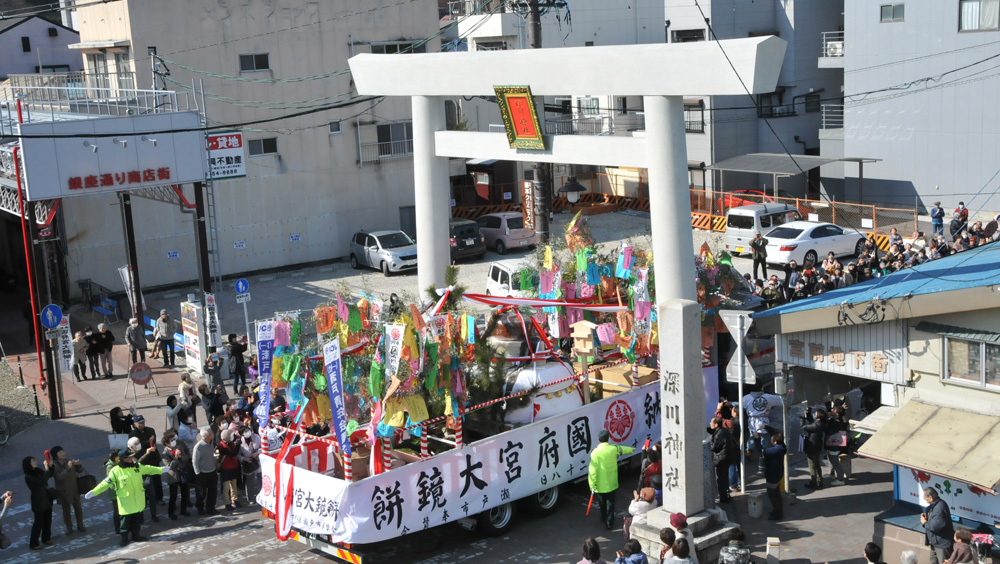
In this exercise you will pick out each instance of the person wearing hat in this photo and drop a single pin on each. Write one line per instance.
(602, 475)
(937, 219)
(151, 457)
(164, 333)
(679, 523)
(126, 480)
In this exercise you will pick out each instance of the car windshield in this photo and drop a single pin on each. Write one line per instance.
(784, 233)
(395, 240)
(515, 222)
(740, 221)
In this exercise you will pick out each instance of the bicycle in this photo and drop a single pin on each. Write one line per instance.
(4, 428)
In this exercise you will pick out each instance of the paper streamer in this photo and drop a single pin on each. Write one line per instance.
(282, 334)
(593, 274)
(606, 333)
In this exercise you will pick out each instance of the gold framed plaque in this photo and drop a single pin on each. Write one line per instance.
(520, 121)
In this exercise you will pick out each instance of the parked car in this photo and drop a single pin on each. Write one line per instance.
(738, 198)
(465, 239)
(744, 222)
(806, 241)
(388, 251)
(504, 279)
(505, 230)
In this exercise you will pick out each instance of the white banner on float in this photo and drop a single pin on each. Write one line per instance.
(464, 482)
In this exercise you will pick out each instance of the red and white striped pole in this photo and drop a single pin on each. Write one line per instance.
(635, 375)
(425, 450)
(386, 458)
(458, 429)
(348, 469)
(264, 443)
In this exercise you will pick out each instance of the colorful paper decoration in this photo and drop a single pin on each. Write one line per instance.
(593, 274)
(606, 333)
(547, 262)
(282, 333)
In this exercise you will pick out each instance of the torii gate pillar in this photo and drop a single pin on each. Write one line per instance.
(431, 187)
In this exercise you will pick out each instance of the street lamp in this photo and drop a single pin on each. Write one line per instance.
(572, 190)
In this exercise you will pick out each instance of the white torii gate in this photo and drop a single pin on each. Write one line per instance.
(663, 74)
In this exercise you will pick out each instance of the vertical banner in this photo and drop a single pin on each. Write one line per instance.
(528, 204)
(65, 346)
(265, 351)
(335, 389)
(393, 346)
(126, 275)
(212, 329)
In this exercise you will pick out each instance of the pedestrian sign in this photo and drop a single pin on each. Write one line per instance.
(242, 286)
(51, 316)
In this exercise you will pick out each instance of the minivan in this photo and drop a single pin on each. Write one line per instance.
(744, 222)
(504, 279)
(465, 239)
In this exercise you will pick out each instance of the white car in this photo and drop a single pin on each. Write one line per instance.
(807, 241)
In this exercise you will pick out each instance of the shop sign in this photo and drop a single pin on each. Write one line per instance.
(964, 500)
(872, 351)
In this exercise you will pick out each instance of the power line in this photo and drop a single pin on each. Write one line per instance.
(29, 11)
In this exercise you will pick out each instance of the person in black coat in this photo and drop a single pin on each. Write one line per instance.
(939, 532)
(237, 366)
(722, 444)
(147, 438)
(814, 431)
(94, 349)
(120, 422)
(41, 500)
(774, 472)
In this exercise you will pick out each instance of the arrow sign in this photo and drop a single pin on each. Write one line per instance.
(51, 316)
(242, 286)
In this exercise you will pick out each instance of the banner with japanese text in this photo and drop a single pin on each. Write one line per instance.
(335, 389)
(65, 345)
(464, 482)
(265, 352)
(213, 330)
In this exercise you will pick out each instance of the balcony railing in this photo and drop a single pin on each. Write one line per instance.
(833, 116)
(459, 8)
(387, 151)
(590, 125)
(781, 110)
(833, 44)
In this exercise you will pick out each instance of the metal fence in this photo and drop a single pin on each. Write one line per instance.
(833, 44)
(833, 116)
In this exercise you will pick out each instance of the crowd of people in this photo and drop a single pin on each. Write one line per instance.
(219, 457)
(802, 281)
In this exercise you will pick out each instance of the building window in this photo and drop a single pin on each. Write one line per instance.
(685, 35)
(975, 15)
(588, 106)
(972, 362)
(26, 44)
(812, 102)
(694, 118)
(335, 128)
(768, 104)
(255, 62)
(892, 12)
(259, 147)
(386, 141)
(398, 47)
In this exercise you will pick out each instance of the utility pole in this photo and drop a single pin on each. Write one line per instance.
(541, 181)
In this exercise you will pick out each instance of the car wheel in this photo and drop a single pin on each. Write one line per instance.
(544, 502)
(385, 269)
(354, 262)
(496, 521)
(859, 248)
(809, 258)
(501, 248)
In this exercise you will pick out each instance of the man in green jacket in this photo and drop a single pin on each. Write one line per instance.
(126, 480)
(603, 474)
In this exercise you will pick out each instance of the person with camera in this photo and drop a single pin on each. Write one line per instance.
(237, 365)
(177, 457)
(151, 457)
(7, 498)
(66, 472)
(37, 480)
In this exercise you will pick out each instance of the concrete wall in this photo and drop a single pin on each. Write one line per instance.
(940, 139)
(314, 187)
(51, 50)
(926, 359)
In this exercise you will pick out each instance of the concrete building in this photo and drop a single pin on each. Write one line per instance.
(34, 45)
(920, 84)
(731, 126)
(343, 163)
(922, 345)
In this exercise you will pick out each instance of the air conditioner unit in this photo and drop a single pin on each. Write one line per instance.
(835, 49)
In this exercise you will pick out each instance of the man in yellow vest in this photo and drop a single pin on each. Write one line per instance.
(603, 474)
(126, 480)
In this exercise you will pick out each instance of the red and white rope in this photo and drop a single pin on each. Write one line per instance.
(537, 302)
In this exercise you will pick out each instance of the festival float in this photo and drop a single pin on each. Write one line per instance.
(437, 414)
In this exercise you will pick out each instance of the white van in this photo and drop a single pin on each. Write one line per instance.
(744, 222)
(504, 279)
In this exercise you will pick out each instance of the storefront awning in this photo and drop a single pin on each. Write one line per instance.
(873, 422)
(954, 444)
(957, 332)
(772, 163)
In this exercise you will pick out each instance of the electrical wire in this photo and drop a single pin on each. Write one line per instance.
(29, 11)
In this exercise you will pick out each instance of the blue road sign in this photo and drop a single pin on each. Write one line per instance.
(242, 286)
(51, 316)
